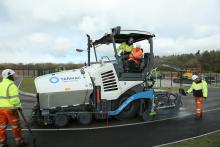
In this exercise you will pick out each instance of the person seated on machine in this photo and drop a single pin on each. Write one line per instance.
(135, 57)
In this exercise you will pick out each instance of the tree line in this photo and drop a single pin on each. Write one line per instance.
(209, 61)
(34, 66)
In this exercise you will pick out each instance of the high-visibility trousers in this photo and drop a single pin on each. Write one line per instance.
(199, 105)
(11, 117)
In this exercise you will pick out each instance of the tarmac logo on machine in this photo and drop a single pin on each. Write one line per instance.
(54, 80)
(69, 79)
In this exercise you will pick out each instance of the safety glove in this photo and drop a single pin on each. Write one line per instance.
(20, 109)
(182, 91)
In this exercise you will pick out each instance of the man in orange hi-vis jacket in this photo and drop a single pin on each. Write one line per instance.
(200, 91)
(136, 54)
(9, 104)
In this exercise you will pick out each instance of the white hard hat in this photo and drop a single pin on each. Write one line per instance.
(7, 72)
(131, 39)
(194, 77)
(138, 45)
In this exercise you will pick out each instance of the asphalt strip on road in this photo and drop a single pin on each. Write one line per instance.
(115, 126)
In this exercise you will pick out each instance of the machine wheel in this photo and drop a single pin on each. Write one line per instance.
(147, 114)
(131, 110)
(61, 120)
(84, 118)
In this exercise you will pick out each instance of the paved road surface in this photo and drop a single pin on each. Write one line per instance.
(141, 135)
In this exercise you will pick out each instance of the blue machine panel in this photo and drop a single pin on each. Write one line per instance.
(148, 94)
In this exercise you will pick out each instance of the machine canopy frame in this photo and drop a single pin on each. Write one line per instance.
(123, 36)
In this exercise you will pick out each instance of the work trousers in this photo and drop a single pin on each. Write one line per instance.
(199, 105)
(11, 117)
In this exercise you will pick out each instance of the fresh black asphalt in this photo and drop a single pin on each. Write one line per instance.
(139, 135)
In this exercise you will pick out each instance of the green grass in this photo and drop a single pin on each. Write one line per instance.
(27, 85)
(211, 140)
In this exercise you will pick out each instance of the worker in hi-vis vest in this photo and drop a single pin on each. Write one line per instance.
(9, 105)
(200, 90)
(136, 54)
(125, 48)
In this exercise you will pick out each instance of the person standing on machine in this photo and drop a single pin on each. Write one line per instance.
(136, 54)
(125, 48)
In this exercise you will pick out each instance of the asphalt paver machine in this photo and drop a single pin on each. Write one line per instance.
(102, 89)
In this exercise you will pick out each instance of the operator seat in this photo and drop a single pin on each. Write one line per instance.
(145, 61)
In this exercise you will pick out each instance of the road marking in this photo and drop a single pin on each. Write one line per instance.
(115, 126)
(211, 110)
(188, 138)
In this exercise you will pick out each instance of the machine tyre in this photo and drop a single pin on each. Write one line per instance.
(61, 120)
(147, 116)
(131, 110)
(84, 118)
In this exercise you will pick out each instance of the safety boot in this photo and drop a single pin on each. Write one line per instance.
(4, 145)
(22, 144)
(198, 117)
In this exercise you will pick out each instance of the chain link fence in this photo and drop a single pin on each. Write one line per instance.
(175, 79)
(164, 78)
(34, 72)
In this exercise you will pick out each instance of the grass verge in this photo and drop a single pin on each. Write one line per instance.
(211, 140)
(27, 85)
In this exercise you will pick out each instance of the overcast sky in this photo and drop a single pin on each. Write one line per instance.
(49, 30)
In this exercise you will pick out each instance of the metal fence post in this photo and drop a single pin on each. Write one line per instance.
(180, 78)
(160, 82)
(171, 82)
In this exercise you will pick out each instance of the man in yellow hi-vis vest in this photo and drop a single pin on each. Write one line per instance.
(125, 48)
(9, 103)
(200, 91)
